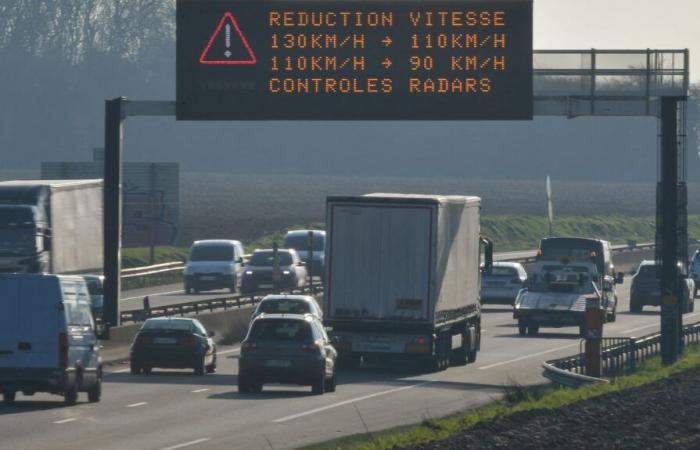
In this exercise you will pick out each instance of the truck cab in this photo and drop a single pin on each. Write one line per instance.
(23, 235)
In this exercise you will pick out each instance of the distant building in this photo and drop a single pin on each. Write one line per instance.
(151, 191)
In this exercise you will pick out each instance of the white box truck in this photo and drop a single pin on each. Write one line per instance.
(49, 226)
(403, 278)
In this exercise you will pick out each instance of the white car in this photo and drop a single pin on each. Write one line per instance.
(502, 283)
(289, 304)
(213, 264)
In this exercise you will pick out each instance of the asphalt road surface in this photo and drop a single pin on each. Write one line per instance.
(175, 409)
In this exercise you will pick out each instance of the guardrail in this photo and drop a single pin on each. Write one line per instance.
(151, 270)
(201, 305)
(620, 356)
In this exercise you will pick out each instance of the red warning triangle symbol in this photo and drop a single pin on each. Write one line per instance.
(228, 45)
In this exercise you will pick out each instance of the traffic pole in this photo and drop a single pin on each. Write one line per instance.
(594, 333)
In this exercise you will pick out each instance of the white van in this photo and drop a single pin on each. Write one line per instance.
(214, 264)
(47, 338)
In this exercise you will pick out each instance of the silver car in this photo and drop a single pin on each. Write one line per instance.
(502, 284)
(289, 304)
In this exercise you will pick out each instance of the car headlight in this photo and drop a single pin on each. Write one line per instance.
(188, 270)
(286, 272)
(249, 272)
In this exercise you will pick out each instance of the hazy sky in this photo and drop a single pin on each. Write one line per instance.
(615, 24)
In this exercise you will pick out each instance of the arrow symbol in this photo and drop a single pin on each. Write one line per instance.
(387, 41)
(386, 63)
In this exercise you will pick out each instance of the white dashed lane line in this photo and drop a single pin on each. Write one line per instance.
(187, 444)
(72, 419)
(134, 405)
(200, 390)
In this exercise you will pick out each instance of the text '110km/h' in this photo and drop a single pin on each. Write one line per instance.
(361, 60)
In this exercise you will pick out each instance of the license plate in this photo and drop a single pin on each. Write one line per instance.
(278, 363)
(164, 340)
(207, 278)
(265, 286)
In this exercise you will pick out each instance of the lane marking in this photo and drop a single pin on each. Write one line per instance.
(200, 390)
(134, 405)
(632, 330)
(156, 294)
(187, 444)
(225, 352)
(72, 419)
(533, 355)
(347, 402)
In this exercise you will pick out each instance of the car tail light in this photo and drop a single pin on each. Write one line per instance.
(143, 339)
(62, 350)
(315, 346)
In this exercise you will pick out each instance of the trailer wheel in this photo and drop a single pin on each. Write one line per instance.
(459, 356)
(9, 396)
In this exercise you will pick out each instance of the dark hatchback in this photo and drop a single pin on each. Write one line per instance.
(174, 343)
(287, 349)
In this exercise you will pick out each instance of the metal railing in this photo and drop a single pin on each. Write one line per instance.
(208, 305)
(620, 356)
(134, 272)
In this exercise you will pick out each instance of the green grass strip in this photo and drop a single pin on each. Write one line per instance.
(516, 399)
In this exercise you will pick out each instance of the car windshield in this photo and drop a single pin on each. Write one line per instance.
(281, 330)
(497, 271)
(285, 306)
(569, 279)
(94, 286)
(211, 253)
(167, 325)
(648, 271)
(300, 242)
(264, 259)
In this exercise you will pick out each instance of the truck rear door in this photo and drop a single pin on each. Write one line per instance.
(380, 261)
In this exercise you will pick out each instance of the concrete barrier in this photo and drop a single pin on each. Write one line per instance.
(230, 326)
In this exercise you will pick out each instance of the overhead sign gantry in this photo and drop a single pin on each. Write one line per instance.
(354, 60)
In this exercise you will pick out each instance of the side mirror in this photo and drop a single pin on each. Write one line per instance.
(619, 278)
(102, 331)
(301, 264)
(211, 333)
(240, 260)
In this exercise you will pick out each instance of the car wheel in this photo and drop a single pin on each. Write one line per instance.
(691, 306)
(533, 330)
(95, 391)
(212, 367)
(330, 383)
(70, 397)
(695, 293)
(522, 328)
(256, 388)
(243, 385)
(318, 385)
(146, 370)
(8, 396)
(188, 290)
(582, 330)
(134, 369)
(200, 368)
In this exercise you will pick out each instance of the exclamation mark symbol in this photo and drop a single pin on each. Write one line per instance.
(227, 53)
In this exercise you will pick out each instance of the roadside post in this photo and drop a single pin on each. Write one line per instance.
(594, 333)
(147, 306)
(276, 273)
(310, 261)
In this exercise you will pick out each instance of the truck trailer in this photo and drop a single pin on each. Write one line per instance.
(51, 226)
(403, 278)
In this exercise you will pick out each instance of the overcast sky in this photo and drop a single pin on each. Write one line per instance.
(668, 24)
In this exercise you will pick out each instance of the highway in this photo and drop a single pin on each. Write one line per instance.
(174, 409)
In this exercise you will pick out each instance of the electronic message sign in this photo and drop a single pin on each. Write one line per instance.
(354, 60)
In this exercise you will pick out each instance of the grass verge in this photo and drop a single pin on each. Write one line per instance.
(516, 399)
